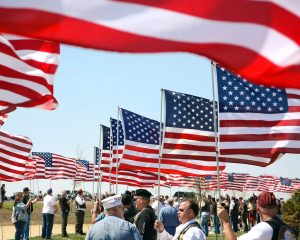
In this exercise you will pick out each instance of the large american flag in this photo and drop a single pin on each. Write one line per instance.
(106, 152)
(268, 183)
(40, 167)
(236, 181)
(141, 149)
(27, 69)
(252, 183)
(57, 166)
(81, 171)
(255, 119)
(14, 153)
(258, 39)
(89, 169)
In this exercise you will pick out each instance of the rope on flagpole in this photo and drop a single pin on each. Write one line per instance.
(216, 139)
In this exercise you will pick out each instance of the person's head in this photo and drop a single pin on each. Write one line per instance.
(267, 205)
(126, 200)
(63, 193)
(113, 206)
(49, 191)
(18, 197)
(213, 199)
(170, 201)
(188, 210)
(26, 191)
(142, 197)
(166, 197)
(80, 192)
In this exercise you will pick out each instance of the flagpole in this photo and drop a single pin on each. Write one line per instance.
(110, 157)
(160, 147)
(99, 177)
(117, 160)
(216, 138)
(93, 184)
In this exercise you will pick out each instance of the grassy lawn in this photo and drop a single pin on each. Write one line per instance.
(59, 237)
(214, 237)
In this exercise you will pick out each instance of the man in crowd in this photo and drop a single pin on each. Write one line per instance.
(49, 209)
(29, 210)
(145, 218)
(2, 195)
(234, 213)
(266, 230)
(113, 227)
(168, 217)
(213, 213)
(80, 211)
(64, 204)
(189, 229)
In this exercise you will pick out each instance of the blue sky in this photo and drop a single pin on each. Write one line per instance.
(90, 85)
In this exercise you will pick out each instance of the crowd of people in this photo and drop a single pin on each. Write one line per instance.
(137, 215)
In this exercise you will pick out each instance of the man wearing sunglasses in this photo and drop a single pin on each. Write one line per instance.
(189, 229)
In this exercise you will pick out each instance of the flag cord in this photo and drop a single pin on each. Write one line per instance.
(216, 137)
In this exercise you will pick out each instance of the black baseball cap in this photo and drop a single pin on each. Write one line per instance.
(26, 189)
(143, 193)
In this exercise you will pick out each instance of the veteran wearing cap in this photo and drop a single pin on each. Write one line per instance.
(145, 218)
(80, 211)
(267, 208)
(113, 226)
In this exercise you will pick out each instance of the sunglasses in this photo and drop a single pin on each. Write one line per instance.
(183, 210)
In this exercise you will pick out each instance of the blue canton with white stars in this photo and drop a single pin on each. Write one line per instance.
(106, 142)
(188, 111)
(114, 127)
(239, 95)
(46, 156)
(285, 181)
(208, 178)
(230, 177)
(97, 155)
(140, 129)
(84, 163)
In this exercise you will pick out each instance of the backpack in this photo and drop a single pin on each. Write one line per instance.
(281, 231)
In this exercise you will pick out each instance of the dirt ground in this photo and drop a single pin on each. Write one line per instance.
(7, 232)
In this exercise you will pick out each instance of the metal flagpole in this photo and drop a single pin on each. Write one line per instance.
(95, 159)
(117, 160)
(110, 157)
(216, 138)
(99, 160)
(160, 147)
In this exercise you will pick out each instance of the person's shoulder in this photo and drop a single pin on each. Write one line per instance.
(260, 231)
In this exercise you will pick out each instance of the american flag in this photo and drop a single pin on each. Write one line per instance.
(14, 153)
(30, 166)
(57, 166)
(27, 69)
(3, 119)
(268, 183)
(117, 142)
(97, 153)
(252, 183)
(258, 39)
(105, 157)
(210, 183)
(189, 135)
(81, 171)
(89, 169)
(296, 184)
(236, 181)
(141, 149)
(284, 185)
(40, 167)
(255, 119)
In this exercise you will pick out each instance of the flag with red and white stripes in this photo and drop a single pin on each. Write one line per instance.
(257, 39)
(27, 69)
(252, 183)
(14, 153)
(105, 149)
(40, 167)
(268, 183)
(81, 171)
(117, 138)
(255, 119)
(57, 166)
(30, 166)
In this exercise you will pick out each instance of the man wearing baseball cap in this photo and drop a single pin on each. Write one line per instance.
(267, 208)
(145, 218)
(113, 226)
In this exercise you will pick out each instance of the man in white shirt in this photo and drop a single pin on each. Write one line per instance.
(80, 212)
(49, 209)
(267, 208)
(189, 229)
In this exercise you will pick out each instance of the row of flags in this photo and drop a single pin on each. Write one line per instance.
(246, 182)
(256, 39)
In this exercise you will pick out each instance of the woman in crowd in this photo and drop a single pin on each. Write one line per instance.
(19, 215)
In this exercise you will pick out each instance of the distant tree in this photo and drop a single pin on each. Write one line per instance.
(291, 212)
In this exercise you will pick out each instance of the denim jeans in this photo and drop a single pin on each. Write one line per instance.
(26, 229)
(48, 219)
(234, 221)
(19, 225)
(204, 223)
(216, 224)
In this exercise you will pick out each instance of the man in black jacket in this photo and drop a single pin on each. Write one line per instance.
(64, 204)
(29, 210)
(145, 218)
